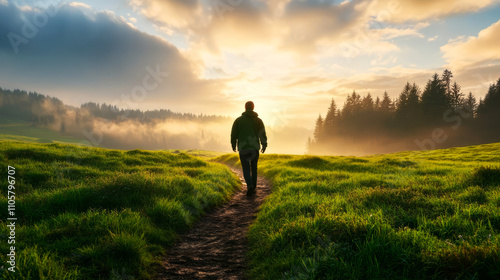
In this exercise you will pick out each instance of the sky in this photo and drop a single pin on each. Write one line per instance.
(291, 57)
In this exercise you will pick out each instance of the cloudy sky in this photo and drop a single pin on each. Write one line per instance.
(210, 56)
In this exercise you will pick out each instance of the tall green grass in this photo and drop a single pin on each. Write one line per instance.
(412, 215)
(91, 213)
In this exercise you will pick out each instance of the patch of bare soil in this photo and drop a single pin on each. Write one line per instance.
(216, 246)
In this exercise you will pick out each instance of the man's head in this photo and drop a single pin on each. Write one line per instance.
(249, 105)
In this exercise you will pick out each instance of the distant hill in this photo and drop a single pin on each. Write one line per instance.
(34, 117)
(21, 130)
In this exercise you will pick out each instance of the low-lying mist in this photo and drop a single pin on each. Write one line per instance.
(211, 135)
(428, 138)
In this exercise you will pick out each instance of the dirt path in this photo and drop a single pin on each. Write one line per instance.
(215, 248)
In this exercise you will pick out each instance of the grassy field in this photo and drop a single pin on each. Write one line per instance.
(413, 215)
(91, 213)
(19, 130)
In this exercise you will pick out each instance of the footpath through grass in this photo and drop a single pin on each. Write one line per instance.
(91, 213)
(412, 215)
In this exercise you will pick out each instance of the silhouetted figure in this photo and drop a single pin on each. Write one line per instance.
(248, 133)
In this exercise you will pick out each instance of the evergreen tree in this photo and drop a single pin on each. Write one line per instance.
(446, 78)
(349, 122)
(470, 105)
(367, 104)
(352, 106)
(489, 107)
(309, 145)
(330, 119)
(435, 102)
(408, 111)
(318, 130)
(403, 99)
(456, 96)
(386, 105)
(367, 115)
(488, 114)
(377, 104)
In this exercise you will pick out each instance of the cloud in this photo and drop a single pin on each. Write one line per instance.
(475, 60)
(177, 13)
(301, 27)
(66, 52)
(464, 51)
(266, 46)
(306, 24)
(410, 10)
(80, 5)
(381, 79)
(431, 39)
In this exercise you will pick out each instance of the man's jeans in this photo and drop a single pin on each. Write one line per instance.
(249, 159)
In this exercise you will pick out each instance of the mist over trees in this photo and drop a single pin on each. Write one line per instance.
(108, 126)
(439, 115)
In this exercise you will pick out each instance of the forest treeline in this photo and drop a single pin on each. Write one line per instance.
(438, 115)
(44, 110)
(113, 127)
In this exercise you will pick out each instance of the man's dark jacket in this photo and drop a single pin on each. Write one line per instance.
(247, 130)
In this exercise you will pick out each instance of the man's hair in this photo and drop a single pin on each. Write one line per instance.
(249, 105)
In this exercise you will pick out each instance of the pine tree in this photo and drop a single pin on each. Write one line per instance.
(367, 104)
(435, 102)
(456, 96)
(489, 107)
(386, 106)
(446, 78)
(318, 130)
(488, 114)
(352, 106)
(414, 101)
(470, 105)
(366, 115)
(408, 111)
(309, 145)
(402, 102)
(330, 119)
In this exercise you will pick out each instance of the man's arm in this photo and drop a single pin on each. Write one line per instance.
(262, 135)
(234, 135)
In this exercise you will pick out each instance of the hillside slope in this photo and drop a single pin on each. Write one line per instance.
(90, 213)
(412, 215)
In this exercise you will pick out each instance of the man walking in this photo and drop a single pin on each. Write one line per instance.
(248, 133)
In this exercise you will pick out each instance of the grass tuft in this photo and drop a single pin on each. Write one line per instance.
(486, 176)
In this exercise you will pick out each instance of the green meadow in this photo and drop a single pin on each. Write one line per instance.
(92, 213)
(412, 215)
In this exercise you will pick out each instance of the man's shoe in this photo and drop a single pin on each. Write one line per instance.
(251, 192)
